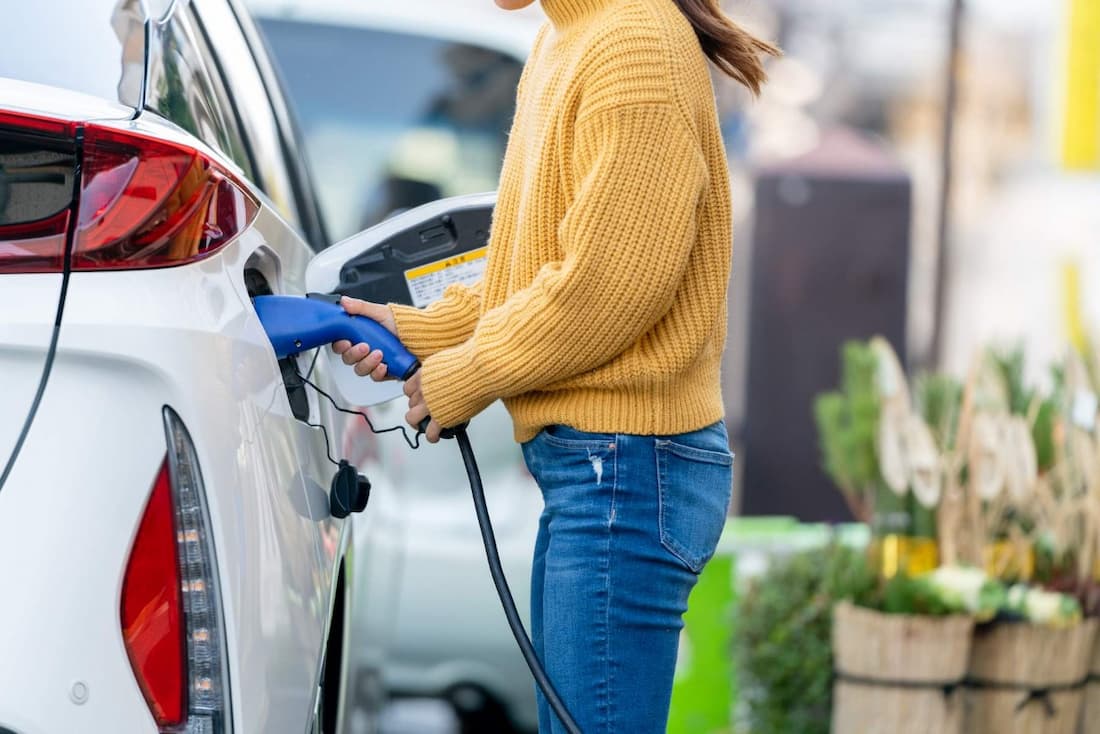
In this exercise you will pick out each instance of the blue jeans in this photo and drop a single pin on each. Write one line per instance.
(629, 522)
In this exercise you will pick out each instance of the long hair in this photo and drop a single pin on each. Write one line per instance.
(729, 47)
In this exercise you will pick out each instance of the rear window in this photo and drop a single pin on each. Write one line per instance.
(95, 47)
(393, 120)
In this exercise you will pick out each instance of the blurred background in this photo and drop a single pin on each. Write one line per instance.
(927, 170)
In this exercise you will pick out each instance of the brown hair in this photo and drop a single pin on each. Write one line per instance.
(731, 48)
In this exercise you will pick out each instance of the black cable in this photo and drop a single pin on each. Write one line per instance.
(55, 335)
(414, 443)
(328, 444)
(313, 362)
(501, 584)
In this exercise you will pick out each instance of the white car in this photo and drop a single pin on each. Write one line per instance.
(402, 103)
(168, 559)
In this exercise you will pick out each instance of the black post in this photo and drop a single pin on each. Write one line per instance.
(943, 234)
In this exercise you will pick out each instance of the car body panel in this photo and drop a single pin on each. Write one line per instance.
(323, 276)
(130, 343)
(427, 607)
(133, 342)
(29, 303)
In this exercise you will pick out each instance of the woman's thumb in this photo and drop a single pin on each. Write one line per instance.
(374, 311)
(360, 308)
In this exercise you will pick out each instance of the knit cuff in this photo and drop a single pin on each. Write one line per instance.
(443, 324)
(449, 382)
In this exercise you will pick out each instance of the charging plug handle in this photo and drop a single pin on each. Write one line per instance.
(295, 325)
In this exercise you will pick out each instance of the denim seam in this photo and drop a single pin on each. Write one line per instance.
(608, 662)
(576, 443)
(722, 458)
(670, 544)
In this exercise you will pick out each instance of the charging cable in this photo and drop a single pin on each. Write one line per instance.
(488, 539)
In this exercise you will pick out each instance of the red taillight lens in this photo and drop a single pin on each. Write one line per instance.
(152, 608)
(141, 202)
(34, 247)
(148, 203)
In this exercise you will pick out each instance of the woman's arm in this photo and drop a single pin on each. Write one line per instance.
(626, 239)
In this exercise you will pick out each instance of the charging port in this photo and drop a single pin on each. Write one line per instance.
(257, 285)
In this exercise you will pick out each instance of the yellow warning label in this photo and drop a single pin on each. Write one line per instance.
(427, 282)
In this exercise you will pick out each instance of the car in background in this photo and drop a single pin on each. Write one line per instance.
(401, 104)
(167, 554)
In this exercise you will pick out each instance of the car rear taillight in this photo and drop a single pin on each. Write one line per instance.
(172, 620)
(149, 203)
(142, 201)
(152, 610)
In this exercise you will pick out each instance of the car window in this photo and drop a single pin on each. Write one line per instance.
(185, 87)
(96, 47)
(237, 66)
(393, 120)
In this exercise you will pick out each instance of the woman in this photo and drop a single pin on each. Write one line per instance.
(600, 321)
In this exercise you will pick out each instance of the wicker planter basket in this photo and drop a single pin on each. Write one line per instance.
(898, 674)
(1026, 678)
(1092, 692)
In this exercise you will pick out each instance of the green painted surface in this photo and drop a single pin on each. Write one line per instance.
(705, 688)
(703, 691)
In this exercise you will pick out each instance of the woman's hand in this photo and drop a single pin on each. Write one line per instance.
(360, 356)
(368, 362)
(418, 409)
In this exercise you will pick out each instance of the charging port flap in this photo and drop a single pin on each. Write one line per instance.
(410, 259)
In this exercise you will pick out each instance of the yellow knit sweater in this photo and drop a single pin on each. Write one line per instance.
(603, 304)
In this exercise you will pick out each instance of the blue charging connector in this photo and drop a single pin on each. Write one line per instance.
(295, 324)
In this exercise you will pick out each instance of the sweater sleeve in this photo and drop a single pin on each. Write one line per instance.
(444, 323)
(625, 242)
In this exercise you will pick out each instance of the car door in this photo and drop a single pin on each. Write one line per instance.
(285, 181)
(282, 576)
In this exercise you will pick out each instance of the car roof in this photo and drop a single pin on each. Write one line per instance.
(477, 22)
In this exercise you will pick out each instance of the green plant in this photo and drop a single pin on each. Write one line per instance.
(939, 401)
(847, 420)
(1028, 401)
(783, 634)
(946, 590)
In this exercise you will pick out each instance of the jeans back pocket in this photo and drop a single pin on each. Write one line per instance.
(694, 485)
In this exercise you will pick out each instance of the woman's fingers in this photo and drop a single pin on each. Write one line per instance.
(354, 353)
(417, 414)
(365, 361)
(369, 363)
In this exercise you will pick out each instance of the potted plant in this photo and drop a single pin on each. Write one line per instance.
(883, 457)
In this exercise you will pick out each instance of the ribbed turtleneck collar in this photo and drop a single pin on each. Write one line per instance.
(564, 13)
